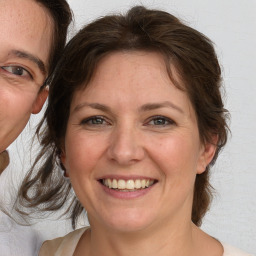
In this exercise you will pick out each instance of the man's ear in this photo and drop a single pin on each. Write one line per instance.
(40, 100)
(207, 153)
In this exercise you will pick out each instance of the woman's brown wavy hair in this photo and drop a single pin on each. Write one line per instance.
(190, 52)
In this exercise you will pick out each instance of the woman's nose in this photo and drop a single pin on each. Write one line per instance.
(125, 146)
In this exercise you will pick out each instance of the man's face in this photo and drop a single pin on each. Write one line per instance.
(25, 41)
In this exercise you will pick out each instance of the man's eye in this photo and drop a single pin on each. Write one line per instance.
(16, 70)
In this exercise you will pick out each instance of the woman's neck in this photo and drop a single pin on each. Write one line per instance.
(180, 240)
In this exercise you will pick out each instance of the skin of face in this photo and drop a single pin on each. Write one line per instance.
(131, 122)
(25, 41)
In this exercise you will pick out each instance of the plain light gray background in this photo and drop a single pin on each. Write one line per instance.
(231, 26)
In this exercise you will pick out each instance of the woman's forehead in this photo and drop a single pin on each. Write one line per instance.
(135, 77)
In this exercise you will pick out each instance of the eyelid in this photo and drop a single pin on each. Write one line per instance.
(5, 67)
(169, 120)
(87, 119)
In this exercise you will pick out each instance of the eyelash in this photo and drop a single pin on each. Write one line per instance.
(167, 121)
(162, 118)
(94, 118)
(5, 68)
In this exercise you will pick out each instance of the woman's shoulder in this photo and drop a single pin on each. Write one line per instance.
(232, 251)
(65, 245)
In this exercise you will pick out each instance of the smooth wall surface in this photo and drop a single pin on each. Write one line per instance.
(230, 24)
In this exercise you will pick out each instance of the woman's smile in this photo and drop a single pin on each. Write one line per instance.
(127, 185)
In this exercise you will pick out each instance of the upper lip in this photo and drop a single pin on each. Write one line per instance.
(124, 177)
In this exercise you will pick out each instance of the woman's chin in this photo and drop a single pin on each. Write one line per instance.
(132, 221)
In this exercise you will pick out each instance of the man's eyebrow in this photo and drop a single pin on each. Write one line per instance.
(26, 55)
(152, 106)
(92, 105)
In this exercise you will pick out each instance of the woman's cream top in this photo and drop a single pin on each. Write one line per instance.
(65, 246)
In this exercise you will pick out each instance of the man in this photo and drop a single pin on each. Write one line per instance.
(32, 37)
(27, 46)
(4, 161)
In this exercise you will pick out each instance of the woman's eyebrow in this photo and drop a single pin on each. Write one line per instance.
(143, 108)
(152, 106)
(30, 57)
(92, 105)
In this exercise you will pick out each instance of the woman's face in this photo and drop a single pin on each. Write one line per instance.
(25, 40)
(132, 147)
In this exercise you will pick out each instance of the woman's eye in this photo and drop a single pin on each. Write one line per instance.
(16, 70)
(160, 121)
(97, 120)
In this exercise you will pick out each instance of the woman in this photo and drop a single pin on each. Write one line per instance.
(135, 119)
(32, 38)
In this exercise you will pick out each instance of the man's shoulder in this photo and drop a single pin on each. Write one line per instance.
(17, 239)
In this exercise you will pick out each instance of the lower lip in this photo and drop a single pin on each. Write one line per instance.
(127, 194)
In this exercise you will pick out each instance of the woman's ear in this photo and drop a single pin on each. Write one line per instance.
(207, 153)
(40, 100)
(63, 163)
(63, 157)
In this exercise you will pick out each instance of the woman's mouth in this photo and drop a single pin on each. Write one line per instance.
(127, 185)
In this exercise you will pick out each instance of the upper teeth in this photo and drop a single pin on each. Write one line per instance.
(127, 184)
